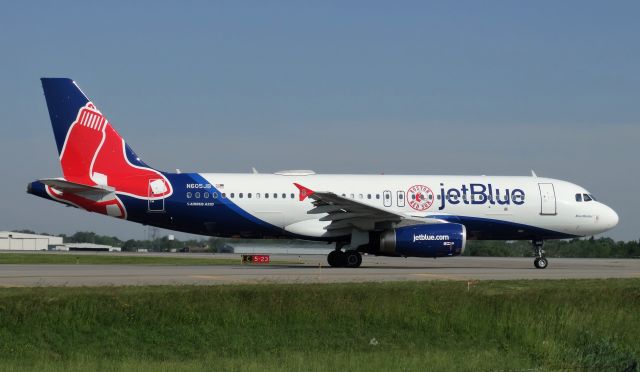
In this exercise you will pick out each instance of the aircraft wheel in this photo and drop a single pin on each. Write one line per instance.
(336, 258)
(540, 263)
(353, 259)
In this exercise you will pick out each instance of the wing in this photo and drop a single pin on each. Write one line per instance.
(347, 214)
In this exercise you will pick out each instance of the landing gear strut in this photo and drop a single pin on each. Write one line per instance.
(541, 261)
(338, 258)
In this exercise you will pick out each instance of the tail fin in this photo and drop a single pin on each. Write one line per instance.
(91, 151)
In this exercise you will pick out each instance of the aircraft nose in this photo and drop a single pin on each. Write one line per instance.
(609, 217)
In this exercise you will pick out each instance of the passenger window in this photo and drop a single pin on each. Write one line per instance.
(266, 195)
(223, 195)
(293, 196)
(206, 195)
(188, 195)
(344, 195)
(368, 196)
(578, 197)
(586, 197)
(249, 195)
(233, 195)
(352, 196)
(275, 196)
(378, 196)
(240, 195)
(215, 195)
(284, 196)
(257, 195)
(197, 195)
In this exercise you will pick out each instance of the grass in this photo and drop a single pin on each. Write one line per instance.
(501, 325)
(105, 259)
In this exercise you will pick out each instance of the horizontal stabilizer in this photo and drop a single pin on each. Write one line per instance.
(75, 188)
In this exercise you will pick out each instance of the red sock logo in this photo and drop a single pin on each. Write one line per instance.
(84, 138)
(113, 166)
(95, 154)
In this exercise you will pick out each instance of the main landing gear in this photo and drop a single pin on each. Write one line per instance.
(338, 258)
(541, 261)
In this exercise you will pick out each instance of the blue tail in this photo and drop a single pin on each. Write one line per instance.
(64, 100)
(92, 153)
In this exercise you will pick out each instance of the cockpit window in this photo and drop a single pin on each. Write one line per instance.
(586, 197)
(578, 197)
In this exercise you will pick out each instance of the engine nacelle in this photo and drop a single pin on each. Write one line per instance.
(433, 240)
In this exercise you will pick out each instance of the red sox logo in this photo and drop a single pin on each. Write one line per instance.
(420, 197)
(94, 154)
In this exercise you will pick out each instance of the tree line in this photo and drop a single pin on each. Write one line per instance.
(588, 248)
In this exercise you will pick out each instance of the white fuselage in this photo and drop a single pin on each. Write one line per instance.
(537, 202)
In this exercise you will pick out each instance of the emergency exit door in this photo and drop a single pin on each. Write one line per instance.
(547, 199)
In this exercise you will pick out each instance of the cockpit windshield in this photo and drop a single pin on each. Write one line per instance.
(584, 197)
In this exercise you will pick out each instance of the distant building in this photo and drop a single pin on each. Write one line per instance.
(88, 247)
(14, 241)
(28, 242)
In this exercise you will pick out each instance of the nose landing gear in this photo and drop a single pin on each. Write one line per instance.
(541, 261)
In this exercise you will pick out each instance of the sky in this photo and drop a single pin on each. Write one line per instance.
(394, 87)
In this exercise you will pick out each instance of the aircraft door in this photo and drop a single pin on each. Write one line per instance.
(156, 187)
(547, 199)
(386, 198)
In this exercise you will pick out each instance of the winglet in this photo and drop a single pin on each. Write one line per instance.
(304, 192)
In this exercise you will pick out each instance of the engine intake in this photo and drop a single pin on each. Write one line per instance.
(433, 240)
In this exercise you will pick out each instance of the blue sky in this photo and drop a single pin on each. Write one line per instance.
(492, 87)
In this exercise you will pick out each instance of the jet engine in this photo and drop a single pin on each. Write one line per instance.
(432, 240)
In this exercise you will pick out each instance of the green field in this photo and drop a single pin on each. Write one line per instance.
(499, 325)
(104, 259)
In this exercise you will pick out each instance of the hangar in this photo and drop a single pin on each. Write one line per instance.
(28, 242)
(15, 241)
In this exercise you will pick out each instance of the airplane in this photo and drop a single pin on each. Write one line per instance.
(388, 215)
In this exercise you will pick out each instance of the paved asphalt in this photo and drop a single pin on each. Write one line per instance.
(313, 269)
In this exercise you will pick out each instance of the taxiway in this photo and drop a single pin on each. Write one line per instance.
(313, 269)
